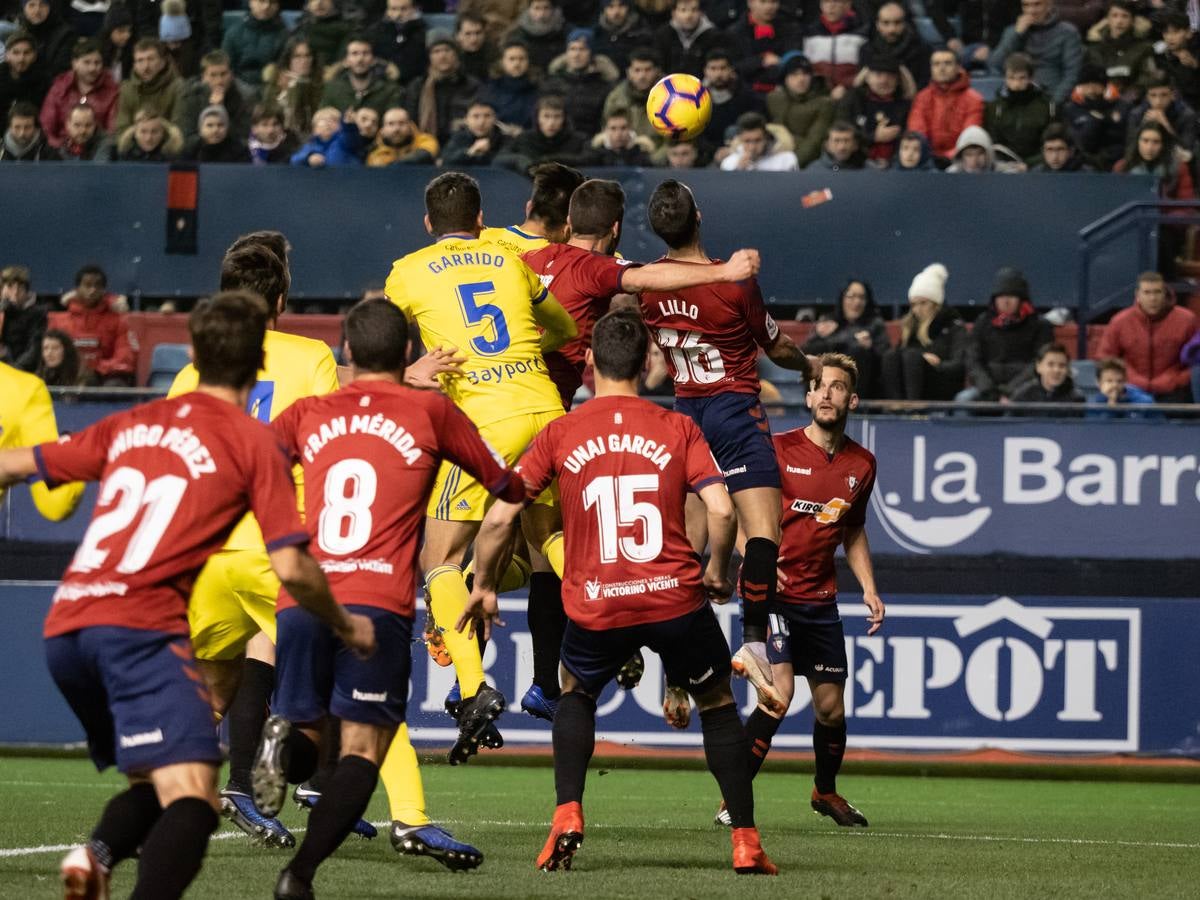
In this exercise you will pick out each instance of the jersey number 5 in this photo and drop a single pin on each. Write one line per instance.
(617, 506)
(475, 313)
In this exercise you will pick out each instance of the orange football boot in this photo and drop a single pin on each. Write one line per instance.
(566, 834)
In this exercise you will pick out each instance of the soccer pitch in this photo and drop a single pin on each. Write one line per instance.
(650, 835)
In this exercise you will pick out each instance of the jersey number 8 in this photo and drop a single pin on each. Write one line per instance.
(344, 525)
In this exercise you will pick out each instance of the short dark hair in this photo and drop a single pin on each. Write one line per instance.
(551, 101)
(377, 333)
(151, 43)
(1126, 5)
(91, 269)
(1152, 277)
(620, 112)
(1057, 131)
(357, 37)
(215, 58)
(718, 53)
(645, 54)
(1111, 364)
(453, 203)
(1018, 62)
(596, 206)
(257, 269)
(85, 46)
(673, 214)
(1173, 18)
(24, 109)
(553, 185)
(1159, 80)
(227, 332)
(20, 36)
(844, 362)
(842, 126)
(275, 241)
(465, 17)
(264, 111)
(751, 121)
(1052, 347)
(620, 341)
(514, 42)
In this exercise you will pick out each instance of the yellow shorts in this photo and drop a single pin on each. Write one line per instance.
(457, 497)
(233, 600)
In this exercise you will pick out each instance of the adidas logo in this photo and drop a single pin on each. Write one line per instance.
(463, 505)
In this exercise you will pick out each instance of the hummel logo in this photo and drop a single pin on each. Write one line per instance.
(368, 697)
(792, 470)
(142, 739)
(702, 678)
(463, 505)
(592, 588)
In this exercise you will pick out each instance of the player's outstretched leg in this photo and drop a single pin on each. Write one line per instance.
(122, 828)
(574, 742)
(285, 755)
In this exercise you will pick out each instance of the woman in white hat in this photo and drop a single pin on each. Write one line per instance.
(930, 361)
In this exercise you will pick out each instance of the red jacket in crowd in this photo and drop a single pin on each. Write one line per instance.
(105, 343)
(64, 95)
(1150, 347)
(942, 111)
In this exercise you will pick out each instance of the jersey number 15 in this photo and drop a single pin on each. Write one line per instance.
(617, 506)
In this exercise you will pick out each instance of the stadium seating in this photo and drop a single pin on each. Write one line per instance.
(987, 85)
(166, 362)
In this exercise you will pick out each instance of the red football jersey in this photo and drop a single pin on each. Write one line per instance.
(624, 467)
(822, 497)
(370, 453)
(710, 335)
(175, 476)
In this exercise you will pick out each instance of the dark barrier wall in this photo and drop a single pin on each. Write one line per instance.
(1068, 674)
(347, 225)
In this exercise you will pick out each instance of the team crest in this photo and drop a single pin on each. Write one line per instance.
(852, 481)
(777, 641)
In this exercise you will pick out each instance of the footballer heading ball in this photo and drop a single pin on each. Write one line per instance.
(679, 106)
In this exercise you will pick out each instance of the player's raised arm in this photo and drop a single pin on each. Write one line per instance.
(674, 276)
(557, 322)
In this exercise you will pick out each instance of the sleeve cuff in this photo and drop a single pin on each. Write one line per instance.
(295, 539)
(43, 474)
(509, 487)
(542, 295)
(701, 485)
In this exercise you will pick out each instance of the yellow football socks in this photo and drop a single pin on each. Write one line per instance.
(448, 598)
(553, 551)
(401, 778)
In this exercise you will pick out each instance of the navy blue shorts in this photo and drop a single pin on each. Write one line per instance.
(142, 701)
(737, 430)
(316, 675)
(812, 641)
(693, 648)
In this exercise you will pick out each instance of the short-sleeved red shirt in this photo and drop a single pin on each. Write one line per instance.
(822, 497)
(624, 468)
(175, 476)
(370, 454)
(710, 335)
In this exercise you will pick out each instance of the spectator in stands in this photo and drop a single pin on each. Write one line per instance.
(400, 143)
(643, 71)
(975, 153)
(478, 142)
(1162, 106)
(758, 40)
(1180, 57)
(175, 31)
(476, 52)
(24, 141)
(802, 105)
(913, 154)
(757, 149)
(1059, 153)
(1115, 391)
(842, 149)
(294, 85)
(116, 41)
(256, 41)
(215, 87)
(213, 143)
(684, 155)
(204, 18)
(946, 106)
(22, 318)
(88, 84)
(438, 100)
(107, 346)
(366, 120)
(617, 145)
(58, 361)
(542, 28)
(323, 27)
(878, 109)
(1096, 121)
(151, 138)
(620, 30)
(893, 35)
(980, 25)
(52, 37)
(84, 139)
(1021, 110)
(583, 79)
(334, 141)
(685, 41)
(1118, 46)
(930, 361)
(550, 140)
(1004, 340)
(1153, 152)
(21, 79)
(1052, 382)
(153, 86)
(1149, 337)
(731, 99)
(512, 94)
(361, 81)
(399, 39)
(271, 143)
(857, 329)
(1190, 357)
(1054, 45)
(834, 42)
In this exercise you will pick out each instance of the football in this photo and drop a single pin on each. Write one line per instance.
(679, 106)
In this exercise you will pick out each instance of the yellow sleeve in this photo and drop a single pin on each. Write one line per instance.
(187, 380)
(38, 427)
(395, 290)
(325, 377)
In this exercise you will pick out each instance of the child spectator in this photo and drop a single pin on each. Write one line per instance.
(478, 142)
(214, 87)
(270, 142)
(58, 364)
(512, 94)
(1116, 46)
(107, 347)
(1052, 383)
(24, 141)
(913, 154)
(802, 105)
(857, 329)
(214, 143)
(334, 142)
(930, 361)
(400, 143)
(89, 84)
(1115, 391)
(1059, 153)
(1021, 110)
(293, 85)
(150, 139)
(617, 145)
(1053, 44)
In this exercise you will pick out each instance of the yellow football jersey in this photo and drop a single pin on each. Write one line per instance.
(27, 418)
(293, 367)
(471, 294)
(513, 239)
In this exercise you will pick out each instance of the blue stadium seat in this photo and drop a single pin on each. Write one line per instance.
(165, 363)
(440, 20)
(988, 85)
(928, 31)
(291, 17)
(1083, 371)
(777, 375)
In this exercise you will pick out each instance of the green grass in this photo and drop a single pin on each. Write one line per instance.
(649, 835)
